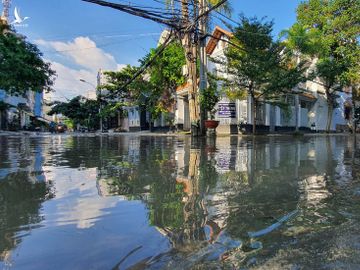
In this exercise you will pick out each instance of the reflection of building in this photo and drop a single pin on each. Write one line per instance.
(31, 160)
(208, 194)
(315, 190)
(23, 189)
(112, 176)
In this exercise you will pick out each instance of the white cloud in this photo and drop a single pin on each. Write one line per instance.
(82, 52)
(68, 84)
(120, 66)
(77, 198)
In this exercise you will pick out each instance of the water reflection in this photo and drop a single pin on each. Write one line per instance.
(228, 194)
(176, 203)
(23, 189)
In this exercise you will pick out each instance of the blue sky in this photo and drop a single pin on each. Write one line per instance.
(79, 37)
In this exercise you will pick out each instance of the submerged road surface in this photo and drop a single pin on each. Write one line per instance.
(126, 202)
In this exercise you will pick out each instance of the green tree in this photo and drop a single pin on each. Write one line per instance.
(333, 28)
(210, 96)
(155, 90)
(21, 65)
(259, 67)
(121, 90)
(190, 12)
(80, 110)
(116, 81)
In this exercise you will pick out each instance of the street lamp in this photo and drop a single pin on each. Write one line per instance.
(100, 108)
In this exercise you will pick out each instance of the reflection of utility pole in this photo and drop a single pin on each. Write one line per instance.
(194, 209)
(100, 100)
(100, 111)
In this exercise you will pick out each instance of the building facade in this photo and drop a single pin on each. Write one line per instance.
(18, 112)
(130, 119)
(308, 108)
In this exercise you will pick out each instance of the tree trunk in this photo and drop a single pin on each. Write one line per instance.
(253, 114)
(329, 117)
(330, 104)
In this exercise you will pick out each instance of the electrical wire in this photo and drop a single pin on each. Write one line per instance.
(96, 46)
(175, 23)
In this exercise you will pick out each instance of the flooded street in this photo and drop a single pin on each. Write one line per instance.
(132, 202)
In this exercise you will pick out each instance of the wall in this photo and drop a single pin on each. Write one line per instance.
(28, 99)
(133, 119)
(338, 116)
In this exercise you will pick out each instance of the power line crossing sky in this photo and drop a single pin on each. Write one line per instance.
(79, 38)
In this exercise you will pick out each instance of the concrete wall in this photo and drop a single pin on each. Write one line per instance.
(133, 118)
(339, 116)
(30, 100)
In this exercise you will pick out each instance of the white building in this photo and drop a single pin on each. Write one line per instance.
(20, 109)
(312, 108)
(134, 119)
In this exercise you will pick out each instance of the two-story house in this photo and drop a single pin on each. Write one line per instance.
(308, 107)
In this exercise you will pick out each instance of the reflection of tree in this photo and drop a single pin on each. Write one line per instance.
(82, 152)
(175, 202)
(22, 191)
(198, 207)
(303, 178)
(265, 193)
(271, 195)
(321, 196)
(197, 179)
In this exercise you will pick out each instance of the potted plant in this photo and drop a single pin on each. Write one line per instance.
(208, 100)
(211, 123)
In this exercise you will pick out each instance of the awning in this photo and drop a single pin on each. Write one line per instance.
(41, 119)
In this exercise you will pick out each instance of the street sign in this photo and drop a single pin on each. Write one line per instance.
(227, 110)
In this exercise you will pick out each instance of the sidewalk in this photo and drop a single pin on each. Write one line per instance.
(155, 134)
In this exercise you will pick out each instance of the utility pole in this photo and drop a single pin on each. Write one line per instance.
(188, 32)
(98, 92)
(99, 96)
(203, 60)
(297, 105)
(297, 111)
(100, 111)
(5, 11)
(189, 42)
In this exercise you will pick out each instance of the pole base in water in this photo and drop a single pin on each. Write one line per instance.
(195, 131)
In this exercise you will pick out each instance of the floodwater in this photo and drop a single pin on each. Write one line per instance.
(132, 202)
